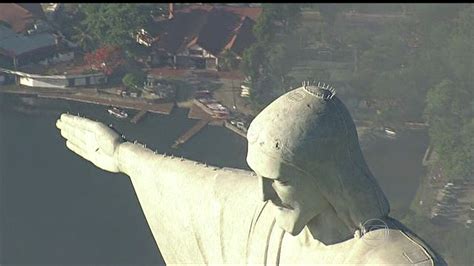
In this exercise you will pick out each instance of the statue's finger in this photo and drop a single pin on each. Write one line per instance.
(79, 122)
(64, 126)
(87, 126)
(72, 136)
(65, 123)
(78, 150)
(61, 124)
(83, 136)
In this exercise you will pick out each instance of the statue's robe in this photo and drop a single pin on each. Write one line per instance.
(208, 215)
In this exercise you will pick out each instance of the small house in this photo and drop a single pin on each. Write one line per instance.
(57, 81)
(198, 36)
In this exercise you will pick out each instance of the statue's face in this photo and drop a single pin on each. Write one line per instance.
(295, 198)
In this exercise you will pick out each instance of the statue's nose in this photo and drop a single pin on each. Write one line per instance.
(266, 189)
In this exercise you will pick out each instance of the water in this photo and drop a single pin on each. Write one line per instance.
(59, 208)
(397, 165)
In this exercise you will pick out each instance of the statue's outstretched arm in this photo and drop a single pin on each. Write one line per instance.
(102, 146)
(91, 140)
(184, 202)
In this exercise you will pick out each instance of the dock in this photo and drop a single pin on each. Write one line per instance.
(94, 97)
(235, 129)
(198, 112)
(138, 116)
(204, 108)
(160, 108)
(191, 132)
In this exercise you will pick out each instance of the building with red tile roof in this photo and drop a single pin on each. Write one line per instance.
(21, 17)
(199, 34)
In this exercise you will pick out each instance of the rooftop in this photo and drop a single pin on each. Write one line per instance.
(214, 28)
(75, 67)
(20, 16)
(14, 44)
(251, 12)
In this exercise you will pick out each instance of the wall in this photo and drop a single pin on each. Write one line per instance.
(60, 57)
(95, 80)
(62, 81)
(43, 82)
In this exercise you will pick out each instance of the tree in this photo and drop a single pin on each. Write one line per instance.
(279, 61)
(83, 39)
(449, 114)
(268, 61)
(276, 18)
(157, 9)
(287, 15)
(107, 59)
(378, 77)
(377, 8)
(264, 29)
(134, 80)
(263, 91)
(358, 40)
(114, 24)
(460, 47)
(253, 60)
(329, 12)
(229, 60)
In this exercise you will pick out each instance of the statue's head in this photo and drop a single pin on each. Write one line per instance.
(305, 150)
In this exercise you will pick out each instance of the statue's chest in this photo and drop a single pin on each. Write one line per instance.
(269, 245)
(294, 252)
(264, 241)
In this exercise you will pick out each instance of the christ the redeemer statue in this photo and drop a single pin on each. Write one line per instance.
(310, 199)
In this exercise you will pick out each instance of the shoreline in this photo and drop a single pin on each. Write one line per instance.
(92, 96)
(98, 97)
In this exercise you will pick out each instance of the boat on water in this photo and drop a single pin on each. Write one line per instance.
(117, 112)
(390, 132)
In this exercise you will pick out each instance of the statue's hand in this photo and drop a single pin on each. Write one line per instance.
(92, 140)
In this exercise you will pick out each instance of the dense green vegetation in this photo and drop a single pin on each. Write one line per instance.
(110, 24)
(268, 61)
(450, 102)
(134, 80)
(417, 66)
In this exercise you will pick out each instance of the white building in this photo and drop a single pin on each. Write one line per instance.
(57, 81)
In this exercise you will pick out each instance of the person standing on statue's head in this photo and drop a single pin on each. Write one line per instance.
(305, 150)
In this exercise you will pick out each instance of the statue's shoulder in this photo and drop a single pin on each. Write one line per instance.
(394, 246)
(233, 182)
(235, 177)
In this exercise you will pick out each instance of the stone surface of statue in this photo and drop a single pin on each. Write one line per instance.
(310, 199)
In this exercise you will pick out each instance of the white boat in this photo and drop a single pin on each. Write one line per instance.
(390, 132)
(117, 112)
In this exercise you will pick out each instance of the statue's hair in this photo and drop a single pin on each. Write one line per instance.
(317, 135)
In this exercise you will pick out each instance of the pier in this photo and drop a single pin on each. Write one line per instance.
(197, 112)
(191, 132)
(235, 129)
(160, 108)
(138, 116)
(94, 97)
